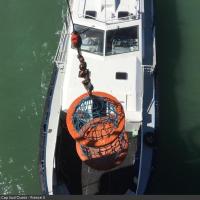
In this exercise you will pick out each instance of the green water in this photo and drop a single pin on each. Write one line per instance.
(28, 41)
(178, 46)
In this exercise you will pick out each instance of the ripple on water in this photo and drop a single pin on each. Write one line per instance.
(43, 84)
(45, 45)
(8, 184)
(35, 109)
(34, 54)
(58, 32)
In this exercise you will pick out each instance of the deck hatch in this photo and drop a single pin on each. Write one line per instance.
(121, 75)
(123, 14)
(90, 14)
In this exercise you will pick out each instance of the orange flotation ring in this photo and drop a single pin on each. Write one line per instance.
(88, 135)
(106, 157)
(97, 124)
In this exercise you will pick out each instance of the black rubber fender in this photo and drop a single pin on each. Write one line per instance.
(149, 139)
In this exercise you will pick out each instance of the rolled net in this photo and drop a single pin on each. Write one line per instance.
(97, 124)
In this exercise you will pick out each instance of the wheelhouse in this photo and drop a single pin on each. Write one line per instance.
(109, 42)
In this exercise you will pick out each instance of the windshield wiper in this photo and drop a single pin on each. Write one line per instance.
(86, 29)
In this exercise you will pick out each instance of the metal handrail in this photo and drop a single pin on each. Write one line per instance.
(113, 21)
(60, 53)
(130, 17)
(59, 56)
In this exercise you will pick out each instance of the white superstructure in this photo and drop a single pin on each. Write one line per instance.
(124, 57)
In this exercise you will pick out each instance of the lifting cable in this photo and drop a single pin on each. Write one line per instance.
(76, 43)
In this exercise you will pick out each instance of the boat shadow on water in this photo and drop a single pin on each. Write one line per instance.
(168, 50)
(174, 172)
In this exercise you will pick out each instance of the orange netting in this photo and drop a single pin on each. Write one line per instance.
(104, 157)
(97, 125)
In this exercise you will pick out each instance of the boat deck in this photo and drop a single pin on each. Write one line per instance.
(81, 179)
(115, 181)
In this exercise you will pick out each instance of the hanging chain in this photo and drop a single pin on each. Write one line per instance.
(77, 42)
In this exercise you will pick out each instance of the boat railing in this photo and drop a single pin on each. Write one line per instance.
(154, 47)
(114, 20)
(58, 62)
(61, 50)
(130, 17)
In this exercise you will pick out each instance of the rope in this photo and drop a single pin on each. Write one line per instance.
(76, 42)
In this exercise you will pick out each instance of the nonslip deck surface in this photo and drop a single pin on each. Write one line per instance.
(115, 181)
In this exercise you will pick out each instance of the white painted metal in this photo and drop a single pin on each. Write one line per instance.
(55, 110)
(104, 68)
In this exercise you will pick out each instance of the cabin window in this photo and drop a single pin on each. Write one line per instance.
(92, 39)
(123, 40)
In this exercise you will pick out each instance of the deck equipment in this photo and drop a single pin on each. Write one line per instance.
(97, 125)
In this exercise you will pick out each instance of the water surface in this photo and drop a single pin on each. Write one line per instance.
(178, 44)
(28, 39)
(29, 33)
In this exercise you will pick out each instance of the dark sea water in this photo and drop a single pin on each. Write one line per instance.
(29, 34)
(178, 58)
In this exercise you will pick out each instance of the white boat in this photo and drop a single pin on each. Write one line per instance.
(118, 44)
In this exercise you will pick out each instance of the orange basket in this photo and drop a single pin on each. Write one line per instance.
(97, 124)
(106, 157)
(100, 129)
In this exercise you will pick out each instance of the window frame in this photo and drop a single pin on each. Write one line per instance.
(105, 40)
(93, 28)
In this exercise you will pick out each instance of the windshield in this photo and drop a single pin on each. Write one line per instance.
(92, 39)
(122, 40)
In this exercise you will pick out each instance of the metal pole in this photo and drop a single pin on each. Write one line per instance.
(105, 11)
(70, 14)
